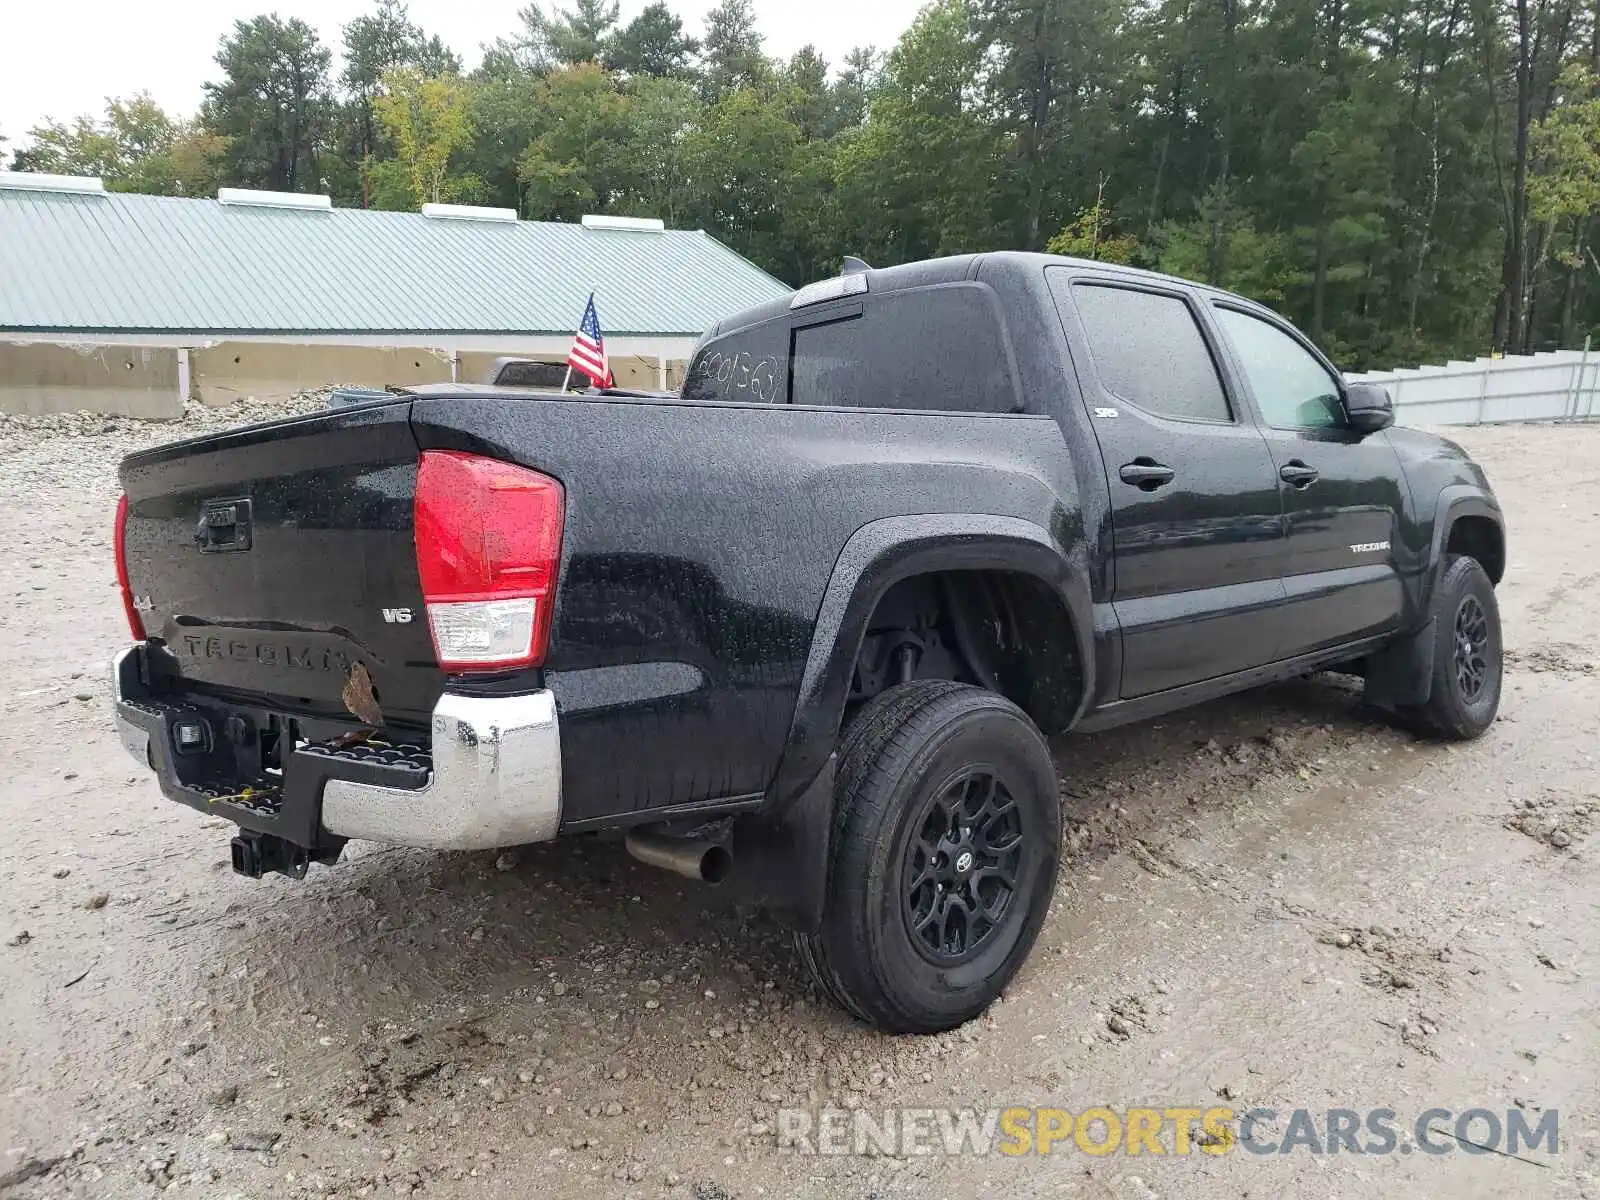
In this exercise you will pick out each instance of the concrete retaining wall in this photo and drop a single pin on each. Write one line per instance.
(149, 381)
(230, 371)
(124, 381)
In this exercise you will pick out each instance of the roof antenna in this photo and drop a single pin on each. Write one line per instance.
(855, 266)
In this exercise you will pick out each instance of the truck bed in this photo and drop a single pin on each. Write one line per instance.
(699, 539)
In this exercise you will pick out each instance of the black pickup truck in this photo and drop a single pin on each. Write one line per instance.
(808, 624)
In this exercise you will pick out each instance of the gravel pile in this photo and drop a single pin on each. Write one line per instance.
(21, 429)
(50, 449)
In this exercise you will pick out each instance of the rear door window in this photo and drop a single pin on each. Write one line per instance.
(1148, 350)
(937, 348)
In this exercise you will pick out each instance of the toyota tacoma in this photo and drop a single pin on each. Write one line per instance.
(808, 624)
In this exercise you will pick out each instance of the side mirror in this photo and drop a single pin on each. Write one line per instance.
(1369, 407)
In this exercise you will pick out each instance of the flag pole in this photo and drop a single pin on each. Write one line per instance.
(567, 382)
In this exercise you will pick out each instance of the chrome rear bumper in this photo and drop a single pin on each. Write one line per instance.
(496, 781)
(495, 777)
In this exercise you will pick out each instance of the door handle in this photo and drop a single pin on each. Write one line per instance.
(1146, 474)
(1297, 475)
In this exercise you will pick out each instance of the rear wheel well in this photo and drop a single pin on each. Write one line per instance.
(1479, 538)
(1001, 630)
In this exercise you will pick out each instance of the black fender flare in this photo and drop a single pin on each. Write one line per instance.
(881, 554)
(1456, 501)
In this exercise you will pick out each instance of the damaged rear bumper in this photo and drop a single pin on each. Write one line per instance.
(490, 777)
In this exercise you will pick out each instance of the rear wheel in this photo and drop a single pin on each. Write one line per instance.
(946, 845)
(1467, 665)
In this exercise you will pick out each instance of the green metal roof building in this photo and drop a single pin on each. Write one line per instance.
(78, 263)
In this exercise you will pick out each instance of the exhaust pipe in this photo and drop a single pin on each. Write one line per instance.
(706, 861)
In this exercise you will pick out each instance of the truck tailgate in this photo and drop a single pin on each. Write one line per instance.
(270, 561)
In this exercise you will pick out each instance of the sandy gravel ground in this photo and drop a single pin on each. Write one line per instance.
(1275, 901)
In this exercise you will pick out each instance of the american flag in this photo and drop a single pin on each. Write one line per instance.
(588, 353)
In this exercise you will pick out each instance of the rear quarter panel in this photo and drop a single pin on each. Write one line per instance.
(699, 541)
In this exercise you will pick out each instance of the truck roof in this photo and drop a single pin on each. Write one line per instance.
(958, 267)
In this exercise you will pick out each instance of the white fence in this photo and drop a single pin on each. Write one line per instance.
(1557, 385)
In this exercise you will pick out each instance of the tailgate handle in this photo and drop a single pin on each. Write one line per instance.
(224, 525)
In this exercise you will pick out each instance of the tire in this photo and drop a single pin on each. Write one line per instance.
(1468, 669)
(928, 917)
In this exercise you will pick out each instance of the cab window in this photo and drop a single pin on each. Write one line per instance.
(1292, 389)
(747, 366)
(937, 348)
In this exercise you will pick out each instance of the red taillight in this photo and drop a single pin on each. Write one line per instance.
(135, 621)
(488, 550)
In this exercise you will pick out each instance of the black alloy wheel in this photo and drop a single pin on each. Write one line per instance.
(1471, 648)
(960, 872)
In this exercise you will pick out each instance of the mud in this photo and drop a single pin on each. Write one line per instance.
(1275, 901)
